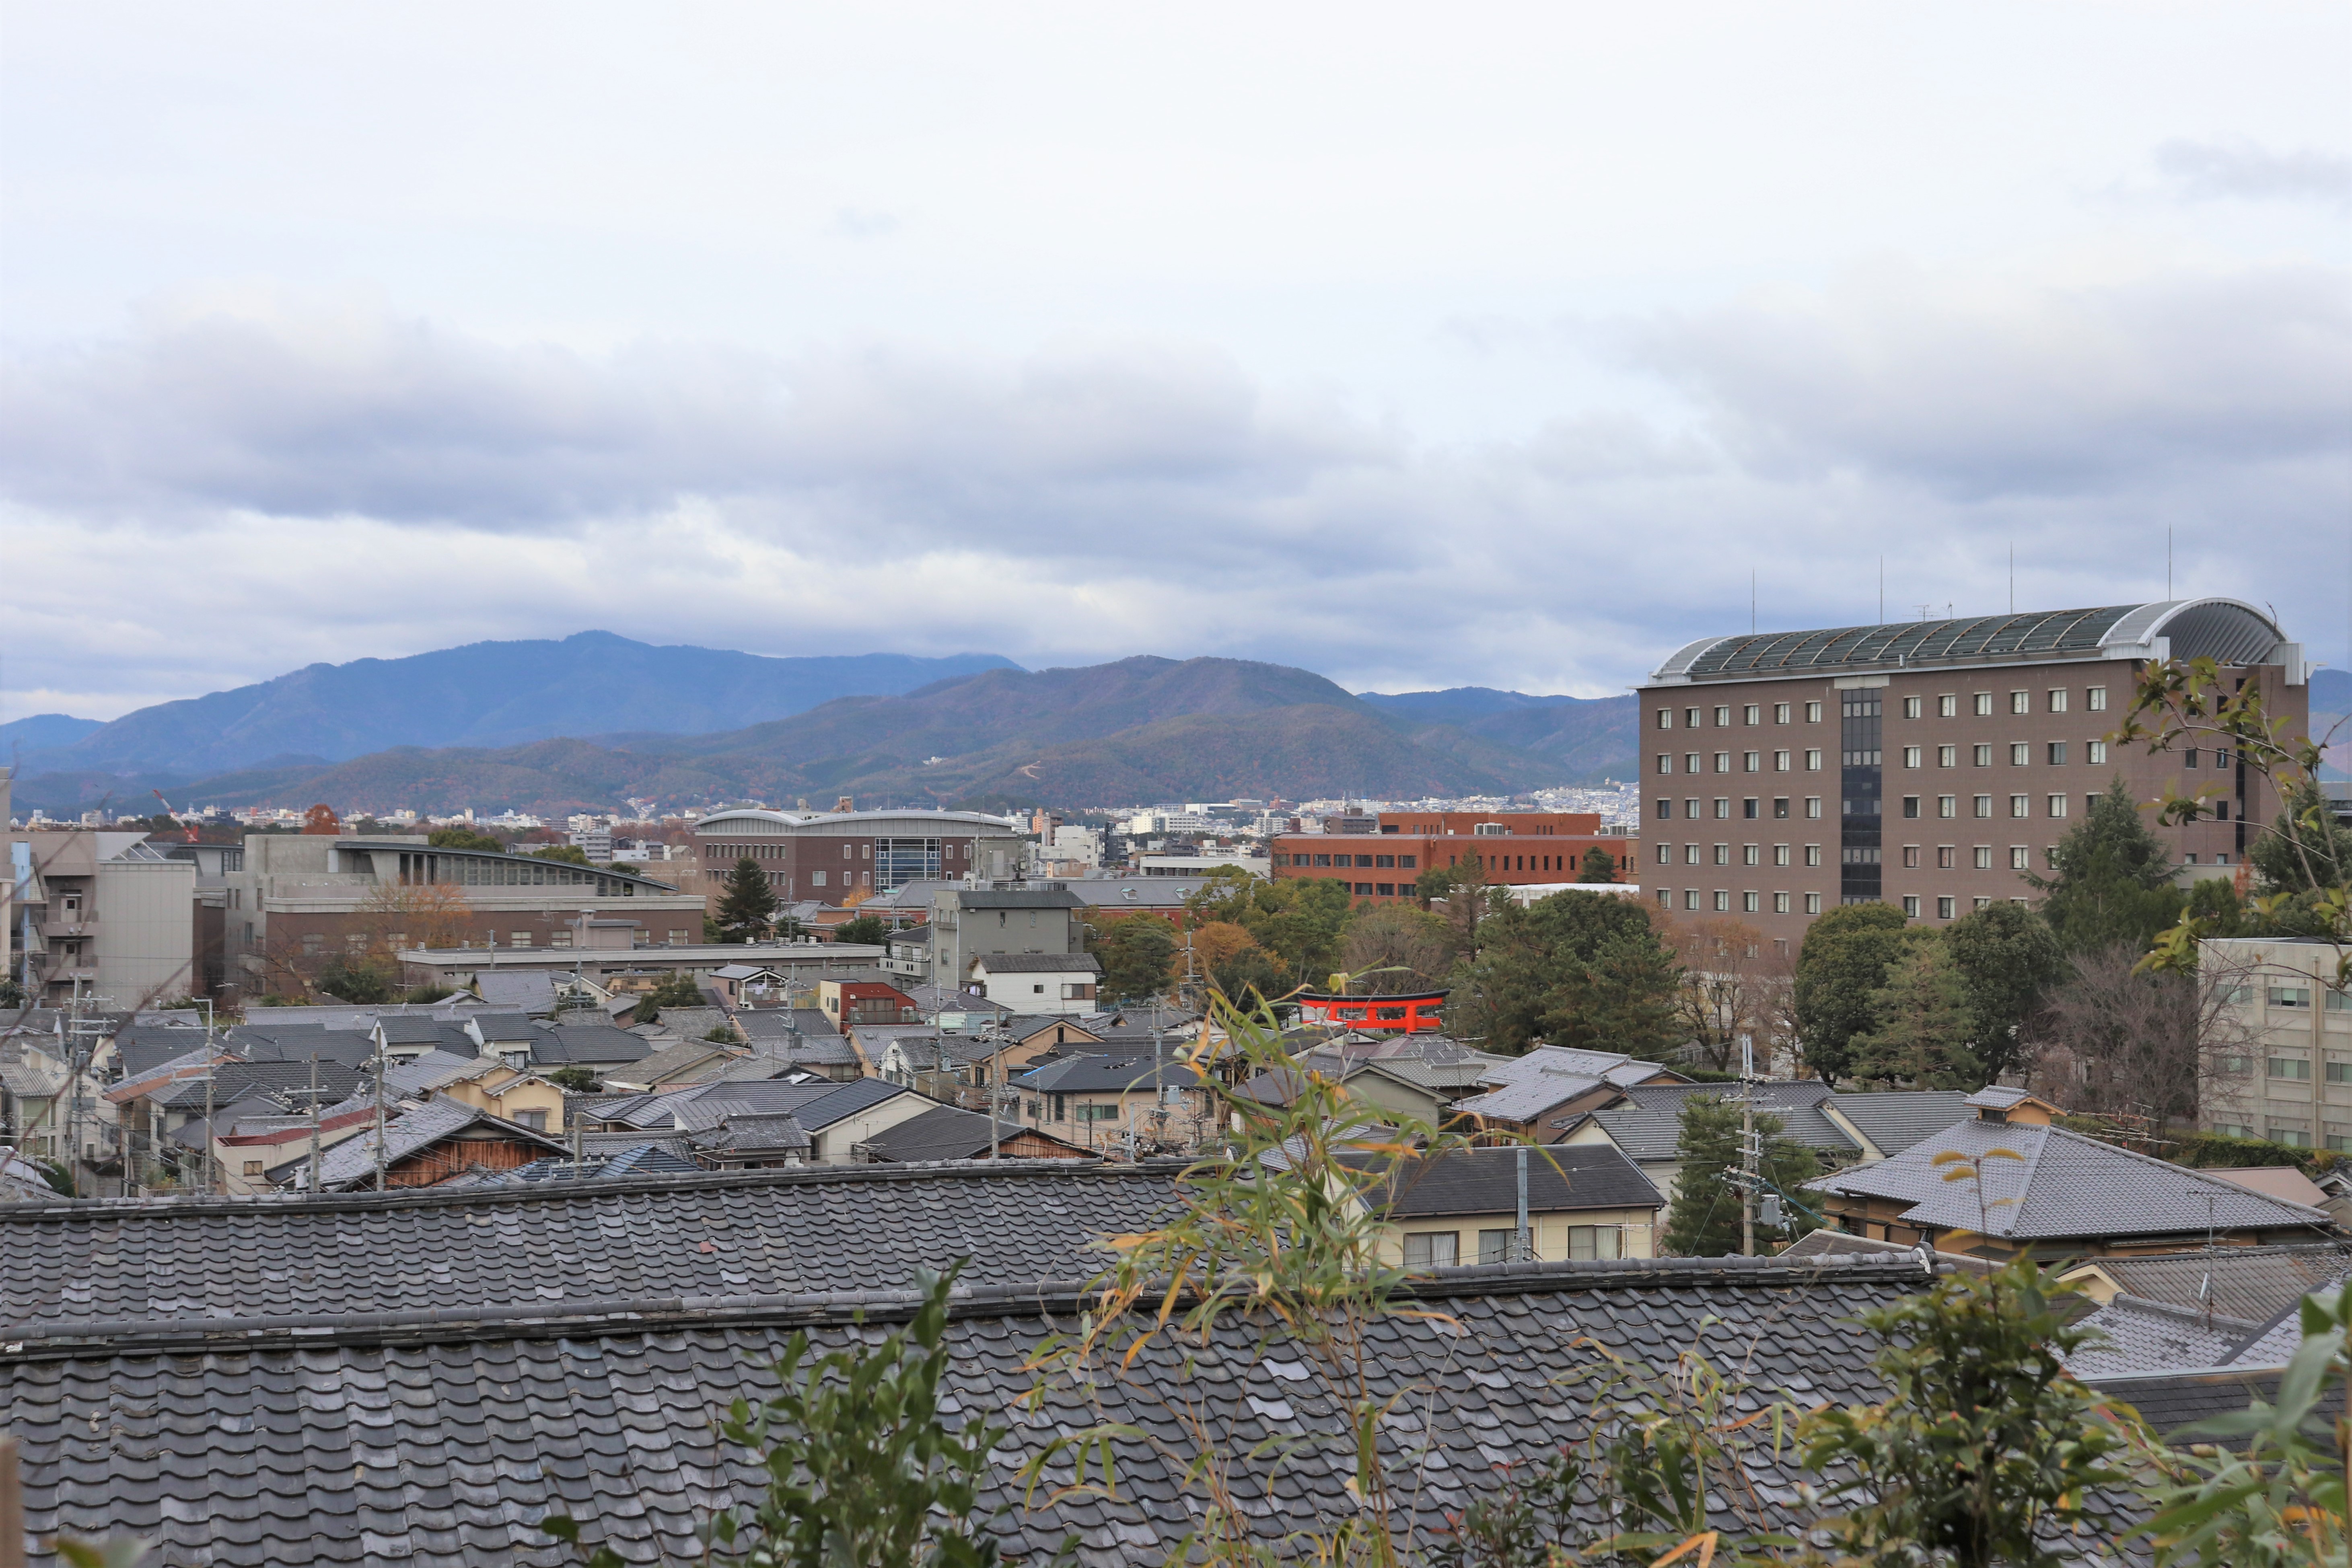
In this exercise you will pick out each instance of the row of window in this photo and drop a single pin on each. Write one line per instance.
(1751, 901)
(1370, 863)
(2290, 997)
(2287, 1069)
(1750, 809)
(2054, 754)
(1947, 705)
(2289, 1134)
(1443, 1249)
(1948, 806)
(1981, 856)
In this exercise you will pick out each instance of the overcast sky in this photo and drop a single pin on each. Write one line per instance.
(1423, 346)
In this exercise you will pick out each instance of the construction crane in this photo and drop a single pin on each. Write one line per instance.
(190, 827)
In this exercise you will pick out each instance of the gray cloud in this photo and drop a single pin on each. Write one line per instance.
(2239, 170)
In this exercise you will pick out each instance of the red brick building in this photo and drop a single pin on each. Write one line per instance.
(1513, 848)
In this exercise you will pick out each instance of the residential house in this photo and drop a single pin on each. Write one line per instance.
(750, 1140)
(1531, 1096)
(1462, 1207)
(2041, 1190)
(849, 1003)
(98, 914)
(439, 1140)
(1039, 982)
(1107, 1102)
(510, 1093)
(948, 1133)
(251, 1145)
(1646, 1124)
(836, 1116)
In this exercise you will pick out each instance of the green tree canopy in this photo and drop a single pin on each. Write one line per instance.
(1920, 1038)
(2303, 851)
(2111, 880)
(1842, 963)
(1297, 923)
(749, 903)
(865, 930)
(1703, 1221)
(463, 839)
(1598, 865)
(1582, 968)
(572, 854)
(1138, 954)
(2005, 958)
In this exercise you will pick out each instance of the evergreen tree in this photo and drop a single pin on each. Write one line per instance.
(1138, 954)
(462, 839)
(1586, 968)
(749, 903)
(2111, 881)
(1844, 959)
(2302, 849)
(1622, 999)
(1703, 1221)
(1921, 1038)
(1599, 865)
(862, 931)
(2005, 958)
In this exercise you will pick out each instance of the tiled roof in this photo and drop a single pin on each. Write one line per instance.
(943, 1134)
(233, 1081)
(2274, 1343)
(353, 1160)
(818, 1102)
(1486, 1181)
(774, 1023)
(2169, 1401)
(588, 1043)
(813, 1228)
(1896, 1119)
(2063, 1185)
(2254, 1282)
(441, 1444)
(1105, 1074)
(753, 1133)
(498, 1026)
(1527, 1098)
(1038, 962)
(691, 1058)
(2136, 1335)
(1648, 1127)
(415, 1029)
(430, 1072)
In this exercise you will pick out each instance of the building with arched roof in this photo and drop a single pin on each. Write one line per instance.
(846, 856)
(1931, 764)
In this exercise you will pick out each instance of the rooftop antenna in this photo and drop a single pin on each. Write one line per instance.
(1882, 590)
(1751, 602)
(2013, 577)
(2168, 561)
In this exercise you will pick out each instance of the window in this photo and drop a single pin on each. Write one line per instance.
(1812, 855)
(1723, 855)
(845, 851)
(1495, 1245)
(1665, 762)
(535, 1120)
(1690, 809)
(2294, 1069)
(1947, 805)
(1752, 714)
(1983, 857)
(1779, 903)
(1779, 762)
(1812, 762)
(1723, 762)
(1386, 862)
(1781, 857)
(1781, 807)
(2289, 996)
(2058, 700)
(1780, 712)
(252, 1167)
(677, 936)
(2057, 805)
(2294, 1137)
(1812, 805)
(1666, 808)
(2057, 754)
(1945, 908)
(518, 938)
(1911, 857)
(1981, 756)
(1947, 757)
(1690, 718)
(1911, 806)
(1722, 808)
(1666, 854)
(1946, 705)
(2339, 1072)
(2189, 757)
(1690, 854)
(2235, 1066)
(2021, 702)
(1946, 857)
(1323, 860)
(1364, 889)
(1813, 713)
(1723, 714)
(1690, 898)
(1911, 906)
(1666, 718)
(1983, 805)
(1910, 707)
(1595, 1241)
(1747, 901)
(1665, 898)
(1722, 902)
(1982, 702)
(1911, 756)
(1812, 903)
(2019, 754)
(2095, 699)
(1751, 762)
(2021, 805)
(1979, 904)
(1751, 854)
(1690, 762)
(1748, 808)
(2338, 1001)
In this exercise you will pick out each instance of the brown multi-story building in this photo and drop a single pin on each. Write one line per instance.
(846, 856)
(1381, 858)
(1930, 765)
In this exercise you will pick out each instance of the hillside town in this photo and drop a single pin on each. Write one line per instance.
(824, 1049)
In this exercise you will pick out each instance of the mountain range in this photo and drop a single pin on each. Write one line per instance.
(583, 723)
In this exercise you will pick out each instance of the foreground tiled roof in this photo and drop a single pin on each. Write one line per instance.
(1894, 1119)
(2252, 1282)
(1649, 1127)
(445, 1442)
(2139, 1336)
(811, 1228)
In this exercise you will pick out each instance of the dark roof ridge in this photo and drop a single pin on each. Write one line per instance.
(415, 1198)
(2185, 1314)
(90, 1338)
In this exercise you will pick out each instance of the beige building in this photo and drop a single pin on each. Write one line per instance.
(1462, 1208)
(2278, 1056)
(105, 912)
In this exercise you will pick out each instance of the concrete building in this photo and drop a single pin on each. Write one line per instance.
(1927, 764)
(2279, 1064)
(296, 901)
(1382, 857)
(107, 913)
(968, 923)
(844, 856)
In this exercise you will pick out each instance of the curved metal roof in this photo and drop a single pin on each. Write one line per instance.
(2227, 629)
(795, 820)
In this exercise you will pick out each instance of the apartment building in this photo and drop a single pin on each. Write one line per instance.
(1929, 763)
(2278, 1059)
(1381, 857)
(844, 856)
(106, 913)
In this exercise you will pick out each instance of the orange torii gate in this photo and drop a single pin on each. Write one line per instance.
(1410, 1013)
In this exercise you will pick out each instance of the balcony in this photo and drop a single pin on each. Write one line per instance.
(55, 930)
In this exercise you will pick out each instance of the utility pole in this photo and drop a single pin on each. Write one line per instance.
(315, 1172)
(379, 1107)
(1751, 1162)
(1523, 1239)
